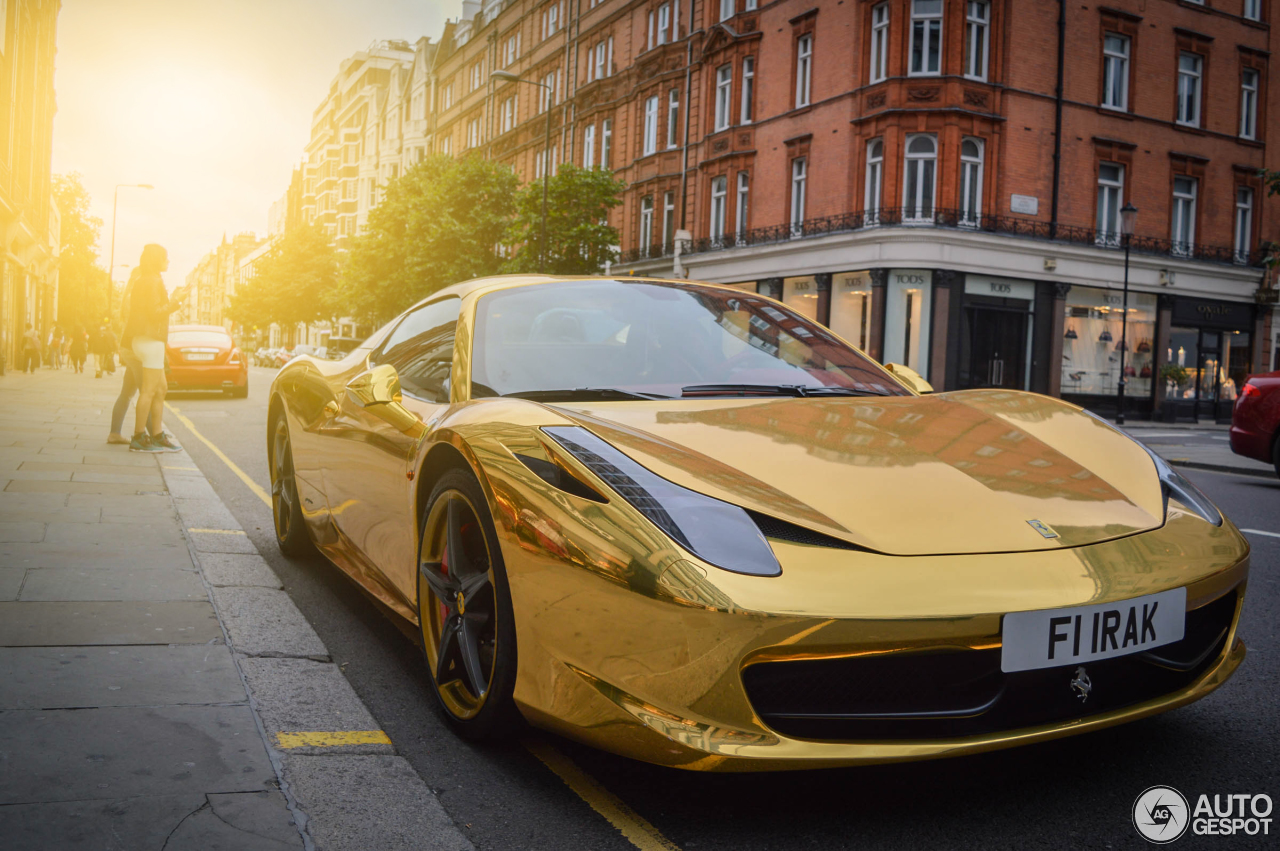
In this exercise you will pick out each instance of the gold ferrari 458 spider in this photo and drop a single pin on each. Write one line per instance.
(683, 523)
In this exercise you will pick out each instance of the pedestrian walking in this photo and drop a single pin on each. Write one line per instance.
(79, 348)
(98, 348)
(132, 380)
(109, 348)
(30, 349)
(55, 348)
(146, 332)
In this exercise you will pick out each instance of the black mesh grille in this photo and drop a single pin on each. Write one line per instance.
(947, 694)
(772, 527)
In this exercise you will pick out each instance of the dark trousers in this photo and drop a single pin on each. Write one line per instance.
(31, 360)
(132, 381)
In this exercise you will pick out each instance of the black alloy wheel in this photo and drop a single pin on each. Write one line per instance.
(464, 610)
(286, 506)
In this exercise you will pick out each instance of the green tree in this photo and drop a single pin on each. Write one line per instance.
(439, 223)
(579, 238)
(296, 281)
(82, 283)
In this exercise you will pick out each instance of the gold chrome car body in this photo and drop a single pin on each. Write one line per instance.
(631, 643)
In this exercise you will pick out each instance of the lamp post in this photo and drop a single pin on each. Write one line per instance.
(507, 76)
(1128, 215)
(115, 200)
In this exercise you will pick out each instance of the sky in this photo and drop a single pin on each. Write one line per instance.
(209, 102)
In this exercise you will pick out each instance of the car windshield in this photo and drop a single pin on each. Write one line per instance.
(198, 338)
(660, 339)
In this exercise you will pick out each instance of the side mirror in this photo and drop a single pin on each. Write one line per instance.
(377, 386)
(909, 378)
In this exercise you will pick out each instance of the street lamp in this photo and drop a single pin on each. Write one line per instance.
(115, 200)
(1128, 215)
(508, 77)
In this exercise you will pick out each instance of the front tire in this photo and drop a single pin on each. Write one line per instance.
(465, 615)
(286, 505)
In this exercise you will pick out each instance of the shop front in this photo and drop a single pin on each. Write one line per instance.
(1093, 343)
(1207, 359)
(908, 318)
(995, 333)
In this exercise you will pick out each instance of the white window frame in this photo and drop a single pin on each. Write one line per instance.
(1110, 198)
(872, 191)
(741, 207)
(673, 118)
(1250, 80)
(727, 9)
(746, 109)
(547, 92)
(920, 172)
(977, 38)
(926, 35)
(879, 70)
(1183, 216)
(1115, 72)
(650, 142)
(646, 225)
(1253, 10)
(602, 70)
(664, 25)
(1244, 224)
(589, 146)
(799, 193)
(606, 142)
(719, 195)
(971, 176)
(1190, 92)
(509, 51)
(724, 96)
(509, 107)
(804, 70)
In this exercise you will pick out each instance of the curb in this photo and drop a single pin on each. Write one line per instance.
(1221, 468)
(323, 743)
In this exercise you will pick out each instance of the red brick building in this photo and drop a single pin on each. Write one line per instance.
(940, 181)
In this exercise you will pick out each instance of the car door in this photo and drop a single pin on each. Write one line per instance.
(368, 464)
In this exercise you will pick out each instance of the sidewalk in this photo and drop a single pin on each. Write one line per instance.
(1199, 447)
(157, 688)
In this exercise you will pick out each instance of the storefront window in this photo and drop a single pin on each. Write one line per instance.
(801, 295)
(1091, 348)
(1217, 363)
(851, 307)
(906, 318)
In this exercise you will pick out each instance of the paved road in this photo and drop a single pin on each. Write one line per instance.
(1071, 793)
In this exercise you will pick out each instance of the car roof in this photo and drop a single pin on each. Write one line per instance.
(482, 286)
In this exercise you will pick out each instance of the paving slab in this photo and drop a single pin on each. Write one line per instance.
(238, 569)
(206, 514)
(339, 792)
(120, 752)
(11, 581)
(20, 486)
(221, 541)
(57, 624)
(78, 677)
(63, 467)
(57, 514)
(116, 507)
(190, 487)
(22, 532)
(94, 583)
(34, 476)
(59, 555)
(120, 455)
(31, 502)
(105, 825)
(299, 695)
(265, 622)
(252, 821)
(149, 535)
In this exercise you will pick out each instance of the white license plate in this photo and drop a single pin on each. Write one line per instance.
(200, 356)
(1052, 637)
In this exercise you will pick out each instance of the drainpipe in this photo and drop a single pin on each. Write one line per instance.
(1057, 117)
(688, 102)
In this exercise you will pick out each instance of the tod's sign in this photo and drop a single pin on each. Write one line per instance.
(1223, 314)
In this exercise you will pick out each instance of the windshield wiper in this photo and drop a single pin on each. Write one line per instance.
(773, 390)
(583, 394)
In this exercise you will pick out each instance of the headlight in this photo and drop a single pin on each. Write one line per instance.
(719, 533)
(1176, 485)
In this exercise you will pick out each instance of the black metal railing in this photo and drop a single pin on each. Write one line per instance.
(952, 219)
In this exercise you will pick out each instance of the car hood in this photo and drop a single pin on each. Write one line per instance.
(963, 472)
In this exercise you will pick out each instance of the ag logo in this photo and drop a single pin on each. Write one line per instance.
(1161, 814)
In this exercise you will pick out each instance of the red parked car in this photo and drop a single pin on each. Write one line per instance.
(1255, 420)
(204, 357)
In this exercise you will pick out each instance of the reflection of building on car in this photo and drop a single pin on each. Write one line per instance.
(204, 357)
(688, 524)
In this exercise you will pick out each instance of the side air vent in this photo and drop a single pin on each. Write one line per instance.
(558, 478)
(772, 527)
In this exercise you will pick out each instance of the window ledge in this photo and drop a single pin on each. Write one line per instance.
(1116, 113)
(1195, 129)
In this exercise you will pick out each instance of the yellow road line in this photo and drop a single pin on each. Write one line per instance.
(244, 477)
(331, 740)
(631, 824)
(217, 531)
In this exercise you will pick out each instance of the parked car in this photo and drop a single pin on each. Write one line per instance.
(1255, 419)
(340, 347)
(204, 357)
(281, 357)
(723, 539)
